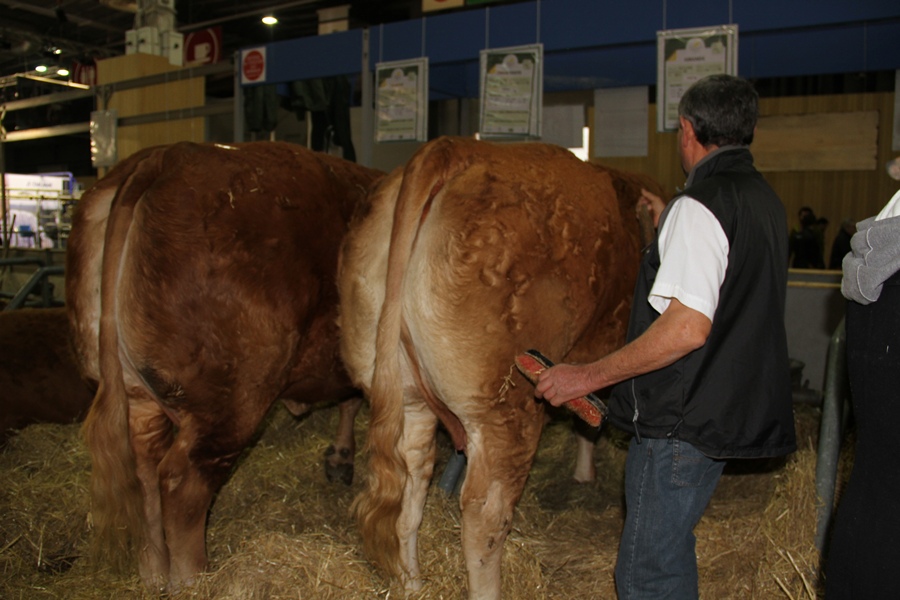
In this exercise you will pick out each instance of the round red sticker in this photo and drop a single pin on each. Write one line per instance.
(254, 63)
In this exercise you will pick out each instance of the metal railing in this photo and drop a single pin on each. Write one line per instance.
(831, 431)
(38, 282)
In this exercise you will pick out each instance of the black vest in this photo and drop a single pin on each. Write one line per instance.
(732, 396)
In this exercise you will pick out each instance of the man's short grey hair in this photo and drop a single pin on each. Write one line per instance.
(722, 109)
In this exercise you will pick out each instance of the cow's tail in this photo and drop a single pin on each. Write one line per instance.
(378, 507)
(116, 500)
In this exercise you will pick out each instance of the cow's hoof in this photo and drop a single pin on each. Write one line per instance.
(339, 465)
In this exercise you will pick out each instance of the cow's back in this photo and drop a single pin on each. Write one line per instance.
(524, 246)
(536, 253)
(210, 257)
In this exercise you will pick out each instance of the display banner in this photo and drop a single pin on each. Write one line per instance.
(688, 55)
(512, 86)
(401, 101)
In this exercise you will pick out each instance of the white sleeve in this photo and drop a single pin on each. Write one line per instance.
(693, 251)
(891, 209)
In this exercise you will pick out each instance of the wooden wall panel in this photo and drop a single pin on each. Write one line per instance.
(174, 95)
(837, 141)
(835, 195)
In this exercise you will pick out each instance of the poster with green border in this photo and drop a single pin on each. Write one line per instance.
(688, 55)
(401, 101)
(512, 91)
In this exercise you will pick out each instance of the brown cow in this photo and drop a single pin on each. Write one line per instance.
(39, 380)
(471, 254)
(201, 284)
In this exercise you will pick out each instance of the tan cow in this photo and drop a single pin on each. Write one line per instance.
(471, 254)
(201, 286)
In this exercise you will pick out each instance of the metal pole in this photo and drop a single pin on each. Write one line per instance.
(238, 117)
(4, 205)
(830, 431)
(367, 108)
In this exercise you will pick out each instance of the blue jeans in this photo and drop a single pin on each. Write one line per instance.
(668, 484)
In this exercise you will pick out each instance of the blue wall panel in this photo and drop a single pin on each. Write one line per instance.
(615, 66)
(608, 43)
(322, 56)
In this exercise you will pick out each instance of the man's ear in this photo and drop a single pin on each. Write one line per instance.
(687, 129)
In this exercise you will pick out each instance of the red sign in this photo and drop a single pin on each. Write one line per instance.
(253, 66)
(203, 47)
(85, 72)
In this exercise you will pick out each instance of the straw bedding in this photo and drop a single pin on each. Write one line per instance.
(279, 530)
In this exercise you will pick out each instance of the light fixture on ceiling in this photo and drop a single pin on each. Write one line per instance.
(269, 20)
(41, 68)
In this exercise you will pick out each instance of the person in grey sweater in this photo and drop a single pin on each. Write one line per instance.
(860, 562)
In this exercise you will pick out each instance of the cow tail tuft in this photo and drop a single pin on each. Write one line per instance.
(117, 505)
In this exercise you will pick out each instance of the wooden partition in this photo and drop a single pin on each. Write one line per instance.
(844, 189)
(169, 96)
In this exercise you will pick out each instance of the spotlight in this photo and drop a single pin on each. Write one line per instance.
(269, 20)
(62, 72)
(41, 68)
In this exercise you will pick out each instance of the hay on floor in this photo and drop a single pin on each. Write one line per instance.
(279, 530)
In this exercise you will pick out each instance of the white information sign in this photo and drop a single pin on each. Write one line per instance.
(401, 100)
(512, 85)
(685, 56)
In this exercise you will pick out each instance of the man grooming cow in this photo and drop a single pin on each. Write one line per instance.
(705, 375)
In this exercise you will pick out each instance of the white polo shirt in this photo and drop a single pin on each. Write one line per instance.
(693, 251)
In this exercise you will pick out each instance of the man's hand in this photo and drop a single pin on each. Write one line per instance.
(564, 382)
(653, 203)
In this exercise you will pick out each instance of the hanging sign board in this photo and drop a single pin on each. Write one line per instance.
(253, 65)
(688, 55)
(401, 101)
(512, 85)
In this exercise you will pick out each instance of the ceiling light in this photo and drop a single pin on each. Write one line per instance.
(41, 68)
(62, 72)
(269, 20)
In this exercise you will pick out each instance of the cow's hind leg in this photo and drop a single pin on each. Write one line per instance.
(195, 468)
(151, 436)
(499, 458)
(339, 456)
(417, 446)
(586, 440)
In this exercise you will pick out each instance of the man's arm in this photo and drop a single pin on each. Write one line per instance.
(678, 331)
